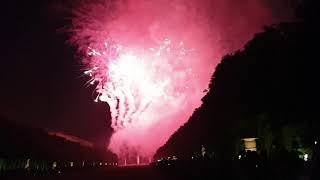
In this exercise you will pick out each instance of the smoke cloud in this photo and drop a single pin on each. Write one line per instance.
(133, 52)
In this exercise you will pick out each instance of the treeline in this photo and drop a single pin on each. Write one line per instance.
(266, 90)
(20, 144)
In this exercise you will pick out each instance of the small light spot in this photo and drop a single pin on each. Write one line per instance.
(305, 157)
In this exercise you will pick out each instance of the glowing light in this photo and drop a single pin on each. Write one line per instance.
(130, 81)
(54, 165)
(315, 142)
(27, 165)
(140, 88)
(305, 157)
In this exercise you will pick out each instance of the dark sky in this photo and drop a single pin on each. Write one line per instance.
(41, 83)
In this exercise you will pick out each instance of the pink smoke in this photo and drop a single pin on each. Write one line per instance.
(71, 138)
(132, 53)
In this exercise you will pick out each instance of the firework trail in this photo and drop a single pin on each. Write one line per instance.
(129, 81)
(151, 60)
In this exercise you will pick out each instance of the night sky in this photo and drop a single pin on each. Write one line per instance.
(41, 78)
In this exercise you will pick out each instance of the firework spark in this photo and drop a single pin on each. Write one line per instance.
(130, 81)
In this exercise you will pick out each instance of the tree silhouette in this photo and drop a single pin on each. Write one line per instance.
(274, 76)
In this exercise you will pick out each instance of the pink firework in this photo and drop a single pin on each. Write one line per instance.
(145, 89)
(151, 60)
(130, 80)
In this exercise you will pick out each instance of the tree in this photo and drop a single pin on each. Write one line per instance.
(274, 75)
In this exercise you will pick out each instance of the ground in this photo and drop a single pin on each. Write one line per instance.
(121, 173)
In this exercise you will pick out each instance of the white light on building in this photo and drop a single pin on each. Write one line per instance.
(250, 144)
(305, 157)
(27, 164)
(54, 165)
(138, 159)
